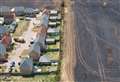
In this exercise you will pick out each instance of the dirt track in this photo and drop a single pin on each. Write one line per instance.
(69, 46)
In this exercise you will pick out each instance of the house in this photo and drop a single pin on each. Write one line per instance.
(4, 11)
(50, 41)
(44, 59)
(2, 31)
(19, 11)
(53, 31)
(6, 40)
(52, 24)
(1, 20)
(44, 20)
(53, 18)
(12, 27)
(41, 20)
(53, 12)
(29, 12)
(59, 17)
(41, 35)
(35, 51)
(36, 11)
(26, 66)
(2, 52)
(8, 19)
(42, 29)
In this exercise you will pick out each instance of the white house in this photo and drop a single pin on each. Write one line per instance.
(53, 18)
(50, 41)
(44, 59)
(52, 24)
(53, 12)
(29, 12)
(1, 20)
(53, 31)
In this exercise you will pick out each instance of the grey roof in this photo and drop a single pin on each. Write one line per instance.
(40, 39)
(36, 48)
(50, 40)
(44, 58)
(26, 66)
(4, 9)
(53, 12)
(44, 20)
(20, 8)
(2, 30)
(29, 10)
(53, 30)
(2, 50)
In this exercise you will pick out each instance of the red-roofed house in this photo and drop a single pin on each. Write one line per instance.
(6, 40)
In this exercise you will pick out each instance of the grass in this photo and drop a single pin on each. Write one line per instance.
(46, 68)
(53, 46)
(2, 68)
(21, 28)
(53, 55)
(56, 37)
(37, 78)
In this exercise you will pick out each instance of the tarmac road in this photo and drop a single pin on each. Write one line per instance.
(97, 41)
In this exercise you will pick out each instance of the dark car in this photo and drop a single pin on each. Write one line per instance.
(20, 40)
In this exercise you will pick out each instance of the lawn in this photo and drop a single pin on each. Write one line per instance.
(21, 28)
(37, 78)
(55, 37)
(53, 55)
(54, 46)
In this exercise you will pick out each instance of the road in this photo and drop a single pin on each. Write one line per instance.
(97, 41)
(69, 57)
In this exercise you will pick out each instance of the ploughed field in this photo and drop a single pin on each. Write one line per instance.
(97, 40)
(26, 3)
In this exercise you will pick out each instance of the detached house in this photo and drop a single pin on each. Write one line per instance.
(2, 31)
(2, 52)
(6, 40)
(8, 19)
(29, 12)
(35, 51)
(39, 43)
(19, 11)
(26, 66)
(42, 30)
(4, 11)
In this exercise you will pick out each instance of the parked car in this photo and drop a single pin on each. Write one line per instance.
(28, 19)
(20, 40)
